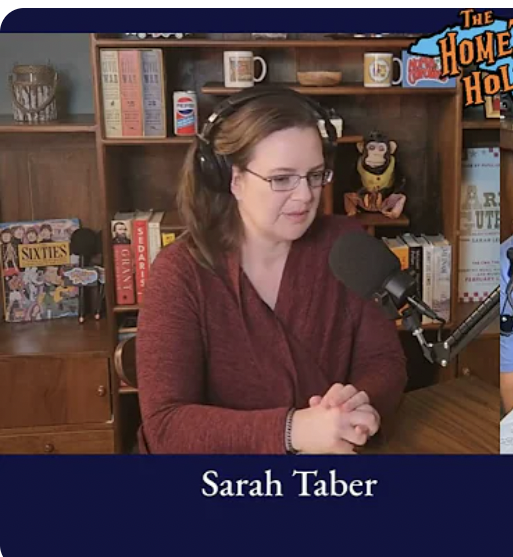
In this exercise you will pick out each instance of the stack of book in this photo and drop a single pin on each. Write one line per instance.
(137, 238)
(429, 257)
(133, 91)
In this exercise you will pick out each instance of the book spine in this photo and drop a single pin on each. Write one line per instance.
(123, 274)
(154, 103)
(442, 282)
(111, 93)
(415, 263)
(427, 278)
(142, 262)
(131, 93)
(154, 233)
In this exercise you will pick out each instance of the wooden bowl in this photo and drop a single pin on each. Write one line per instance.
(319, 79)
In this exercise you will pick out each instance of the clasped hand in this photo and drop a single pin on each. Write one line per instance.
(335, 423)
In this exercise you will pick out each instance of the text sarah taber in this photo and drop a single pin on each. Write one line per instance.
(308, 483)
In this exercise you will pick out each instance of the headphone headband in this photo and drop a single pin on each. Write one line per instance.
(215, 168)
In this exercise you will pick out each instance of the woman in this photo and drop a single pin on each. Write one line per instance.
(246, 342)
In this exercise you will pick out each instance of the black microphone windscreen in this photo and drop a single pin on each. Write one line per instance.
(362, 263)
(84, 242)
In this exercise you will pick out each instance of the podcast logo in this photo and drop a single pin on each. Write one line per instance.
(483, 43)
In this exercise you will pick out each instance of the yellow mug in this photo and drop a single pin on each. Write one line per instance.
(379, 69)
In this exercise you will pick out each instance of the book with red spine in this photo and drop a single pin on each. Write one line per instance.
(121, 233)
(141, 250)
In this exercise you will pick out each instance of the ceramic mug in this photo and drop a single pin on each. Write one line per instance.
(239, 69)
(379, 69)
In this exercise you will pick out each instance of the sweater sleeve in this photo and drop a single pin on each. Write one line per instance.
(171, 368)
(378, 363)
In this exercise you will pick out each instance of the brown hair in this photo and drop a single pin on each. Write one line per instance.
(211, 218)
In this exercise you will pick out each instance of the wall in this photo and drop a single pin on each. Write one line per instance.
(68, 53)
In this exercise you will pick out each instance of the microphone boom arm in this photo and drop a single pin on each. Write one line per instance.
(443, 352)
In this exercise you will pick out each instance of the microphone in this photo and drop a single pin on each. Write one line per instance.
(366, 266)
(83, 243)
(370, 269)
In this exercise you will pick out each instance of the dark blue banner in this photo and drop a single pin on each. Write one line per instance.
(343, 20)
(188, 506)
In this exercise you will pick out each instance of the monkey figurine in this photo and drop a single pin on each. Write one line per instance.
(380, 183)
(507, 105)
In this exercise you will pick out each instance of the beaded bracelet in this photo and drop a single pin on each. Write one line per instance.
(288, 433)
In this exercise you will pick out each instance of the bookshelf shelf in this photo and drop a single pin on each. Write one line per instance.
(377, 220)
(188, 140)
(80, 123)
(507, 137)
(481, 124)
(58, 337)
(347, 89)
(381, 43)
(125, 309)
(149, 141)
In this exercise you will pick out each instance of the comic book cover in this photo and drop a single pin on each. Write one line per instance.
(35, 256)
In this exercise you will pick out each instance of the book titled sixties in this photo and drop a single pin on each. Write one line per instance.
(35, 257)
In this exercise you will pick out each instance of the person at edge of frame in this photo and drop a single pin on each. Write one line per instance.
(506, 342)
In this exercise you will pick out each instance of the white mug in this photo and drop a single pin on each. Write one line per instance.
(239, 69)
(378, 69)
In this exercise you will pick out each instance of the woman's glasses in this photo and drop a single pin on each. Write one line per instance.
(288, 182)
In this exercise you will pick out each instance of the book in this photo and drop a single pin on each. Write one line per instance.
(400, 249)
(141, 250)
(124, 282)
(35, 257)
(111, 95)
(427, 273)
(441, 268)
(479, 264)
(153, 93)
(131, 93)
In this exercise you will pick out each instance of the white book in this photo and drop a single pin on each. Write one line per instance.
(479, 265)
(155, 243)
(111, 94)
(441, 265)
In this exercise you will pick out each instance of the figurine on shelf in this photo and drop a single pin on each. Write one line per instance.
(380, 184)
(506, 105)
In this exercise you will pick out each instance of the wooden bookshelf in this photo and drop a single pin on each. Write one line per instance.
(70, 168)
(481, 124)
(176, 140)
(57, 338)
(370, 43)
(349, 89)
(80, 123)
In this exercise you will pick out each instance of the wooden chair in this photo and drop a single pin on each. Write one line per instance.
(124, 361)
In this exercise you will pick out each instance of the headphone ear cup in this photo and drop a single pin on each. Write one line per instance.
(214, 169)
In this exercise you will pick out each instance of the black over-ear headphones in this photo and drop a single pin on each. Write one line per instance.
(216, 169)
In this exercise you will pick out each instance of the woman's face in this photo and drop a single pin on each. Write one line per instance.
(280, 215)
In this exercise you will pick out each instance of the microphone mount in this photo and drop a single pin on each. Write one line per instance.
(443, 352)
